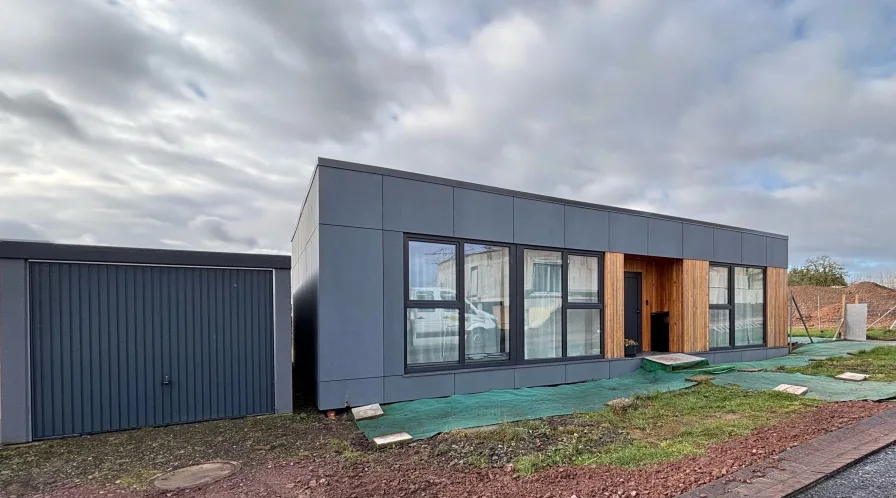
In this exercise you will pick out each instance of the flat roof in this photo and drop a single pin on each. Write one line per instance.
(50, 251)
(366, 168)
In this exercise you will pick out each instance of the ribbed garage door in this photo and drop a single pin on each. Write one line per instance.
(124, 346)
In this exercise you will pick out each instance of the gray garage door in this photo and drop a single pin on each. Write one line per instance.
(124, 346)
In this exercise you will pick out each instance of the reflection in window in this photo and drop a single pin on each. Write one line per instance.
(432, 271)
(719, 328)
(543, 301)
(749, 309)
(583, 332)
(432, 335)
(487, 306)
(583, 279)
(718, 285)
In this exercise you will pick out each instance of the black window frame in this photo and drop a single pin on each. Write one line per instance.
(731, 304)
(516, 300)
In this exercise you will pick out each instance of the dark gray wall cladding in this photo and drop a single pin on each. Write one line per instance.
(628, 233)
(618, 368)
(578, 372)
(754, 355)
(338, 394)
(727, 246)
(754, 249)
(722, 357)
(350, 198)
(538, 223)
(540, 376)
(587, 229)
(776, 352)
(393, 303)
(484, 216)
(777, 252)
(14, 372)
(664, 238)
(697, 242)
(418, 207)
(105, 337)
(425, 386)
(350, 306)
(477, 382)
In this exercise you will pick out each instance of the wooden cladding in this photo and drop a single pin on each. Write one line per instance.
(694, 335)
(614, 305)
(776, 307)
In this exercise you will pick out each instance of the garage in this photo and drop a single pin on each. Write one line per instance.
(121, 338)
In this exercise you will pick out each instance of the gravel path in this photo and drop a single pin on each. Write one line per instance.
(873, 477)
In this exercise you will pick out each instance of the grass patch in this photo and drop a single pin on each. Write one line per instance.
(878, 363)
(882, 334)
(873, 334)
(655, 428)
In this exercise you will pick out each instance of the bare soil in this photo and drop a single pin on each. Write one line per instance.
(412, 471)
(879, 299)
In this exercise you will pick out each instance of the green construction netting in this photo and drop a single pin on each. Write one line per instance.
(427, 417)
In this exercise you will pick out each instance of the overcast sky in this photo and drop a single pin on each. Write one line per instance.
(196, 125)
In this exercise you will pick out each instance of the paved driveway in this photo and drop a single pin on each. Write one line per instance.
(872, 478)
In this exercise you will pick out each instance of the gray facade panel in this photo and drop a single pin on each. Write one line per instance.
(540, 376)
(350, 303)
(697, 242)
(754, 250)
(622, 367)
(628, 233)
(484, 216)
(664, 238)
(754, 355)
(15, 422)
(587, 229)
(418, 207)
(777, 252)
(118, 347)
(722, 357)
(282, 342)
(477, 382)
(426, 386)
(578, 372)
(350, 198)
(538, 223)
(776, 352)
(727, 246)
(338, 394)
(393, 303)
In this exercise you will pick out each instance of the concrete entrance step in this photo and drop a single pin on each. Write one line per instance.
(672, 362)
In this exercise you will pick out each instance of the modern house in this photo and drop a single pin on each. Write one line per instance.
(407, 286)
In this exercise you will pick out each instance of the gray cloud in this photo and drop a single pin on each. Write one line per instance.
(771, 115)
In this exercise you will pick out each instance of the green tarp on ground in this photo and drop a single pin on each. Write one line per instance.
(427, 417)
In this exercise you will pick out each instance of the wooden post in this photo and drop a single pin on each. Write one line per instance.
(819, 312)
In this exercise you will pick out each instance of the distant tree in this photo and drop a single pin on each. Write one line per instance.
(821, 270)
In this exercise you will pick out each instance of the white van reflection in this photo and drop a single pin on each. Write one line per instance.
(434, 331)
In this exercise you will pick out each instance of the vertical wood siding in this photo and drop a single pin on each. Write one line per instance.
(106, 337)
(776, 297)
(695, 306)
(614, 282)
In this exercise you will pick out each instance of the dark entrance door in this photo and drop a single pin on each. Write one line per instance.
(633, 308)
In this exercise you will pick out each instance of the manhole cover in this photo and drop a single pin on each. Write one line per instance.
(195, 475)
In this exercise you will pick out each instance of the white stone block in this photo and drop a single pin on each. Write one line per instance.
(367, 412)
(391, 439)
(852, 377)
(797, 390)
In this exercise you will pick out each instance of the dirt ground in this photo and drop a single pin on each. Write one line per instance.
(880, 299)
(345, 469)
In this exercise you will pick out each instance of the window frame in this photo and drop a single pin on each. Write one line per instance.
(516, 300)
(731, 304)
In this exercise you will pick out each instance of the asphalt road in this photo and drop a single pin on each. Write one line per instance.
(873, 477)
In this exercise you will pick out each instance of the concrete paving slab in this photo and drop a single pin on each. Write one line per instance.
(367, 412)
(401, 437)
(797, 390)
(852, 377)
(195, 475)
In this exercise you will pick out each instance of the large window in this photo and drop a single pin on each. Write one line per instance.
(736, 306)
(469, 304)
(437, 312)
